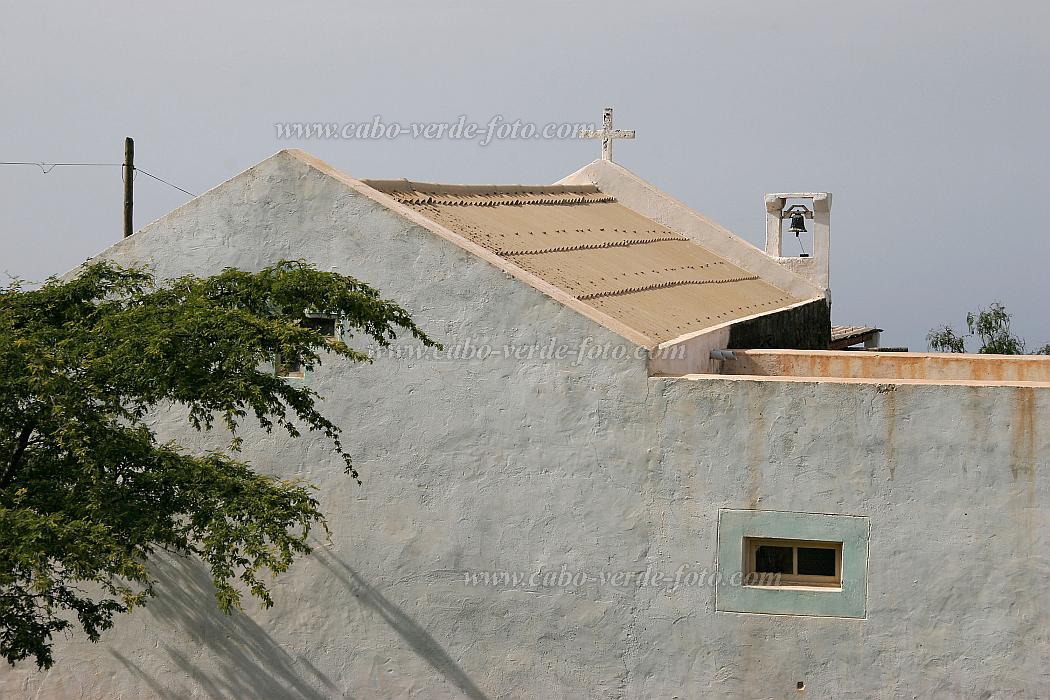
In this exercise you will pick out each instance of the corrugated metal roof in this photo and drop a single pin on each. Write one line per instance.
(641, 273)
(843, 332)
(845, 336)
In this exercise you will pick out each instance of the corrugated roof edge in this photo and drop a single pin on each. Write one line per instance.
(724, 325)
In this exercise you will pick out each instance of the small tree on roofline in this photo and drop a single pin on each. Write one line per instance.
(991, 326)
(88, 495)
(945, 339)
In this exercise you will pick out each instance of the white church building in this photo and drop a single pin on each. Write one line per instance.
(635, 419)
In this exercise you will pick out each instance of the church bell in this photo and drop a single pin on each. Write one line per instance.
(798, 223)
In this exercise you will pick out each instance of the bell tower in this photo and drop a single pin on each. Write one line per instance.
(814, 265)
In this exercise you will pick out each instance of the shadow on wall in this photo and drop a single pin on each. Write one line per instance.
(247, 662)
(409, 630)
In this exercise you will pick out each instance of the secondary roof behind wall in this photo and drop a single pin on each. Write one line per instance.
(650, 278)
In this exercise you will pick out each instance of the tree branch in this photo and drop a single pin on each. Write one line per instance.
(16, 457)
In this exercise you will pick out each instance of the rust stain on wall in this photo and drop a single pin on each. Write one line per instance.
(757, 452)
(1022, 466)
(889, 392)
(931, 367)
(1022, 435)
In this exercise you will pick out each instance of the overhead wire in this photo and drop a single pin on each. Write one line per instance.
(46, 168)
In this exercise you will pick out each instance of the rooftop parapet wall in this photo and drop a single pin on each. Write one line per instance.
(896, 367)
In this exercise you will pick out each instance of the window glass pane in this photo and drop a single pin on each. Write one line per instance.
(324, 326)
(289, 369)
(816, 561)
(773, 560)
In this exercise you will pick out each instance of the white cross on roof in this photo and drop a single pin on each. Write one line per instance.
(607, 134)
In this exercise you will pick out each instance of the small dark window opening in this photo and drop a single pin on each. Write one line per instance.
(773, 560)
(770, 562)
(323, 324)
(816, 561)
(290, 369)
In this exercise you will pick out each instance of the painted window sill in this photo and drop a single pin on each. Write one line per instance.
(820, 589)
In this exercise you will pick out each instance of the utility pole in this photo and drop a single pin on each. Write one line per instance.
(129, 185)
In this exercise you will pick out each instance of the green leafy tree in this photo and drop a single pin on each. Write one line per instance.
(991, 326)
(87, 493)
(945, 339)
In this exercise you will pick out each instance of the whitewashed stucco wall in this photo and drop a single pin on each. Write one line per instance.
(513, 464)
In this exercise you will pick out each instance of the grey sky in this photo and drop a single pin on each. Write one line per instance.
(927, 120)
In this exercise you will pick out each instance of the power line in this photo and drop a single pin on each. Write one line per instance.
(48, 167)
(144, 172)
